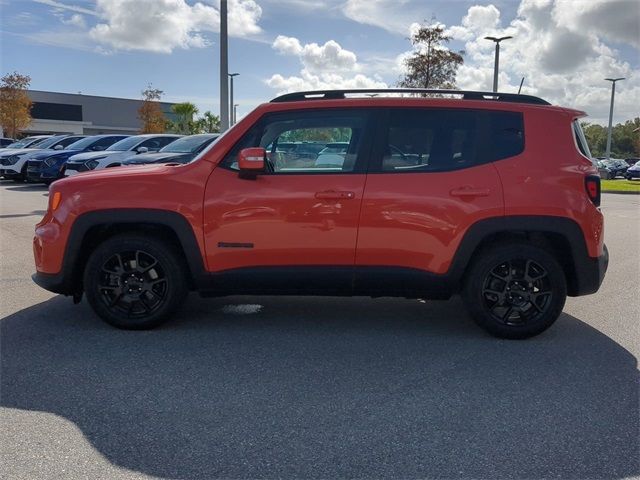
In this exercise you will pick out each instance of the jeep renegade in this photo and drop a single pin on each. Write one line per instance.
(490, 195)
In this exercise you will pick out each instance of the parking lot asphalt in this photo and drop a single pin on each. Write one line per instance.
(258, 387)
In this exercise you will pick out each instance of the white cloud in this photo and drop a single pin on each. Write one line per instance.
(323, 67)
(65, 6)
(318, 58)
(163, 25)
(75, 20)
(564, 61)
(393, 15)
(615, 20)
(309, 81)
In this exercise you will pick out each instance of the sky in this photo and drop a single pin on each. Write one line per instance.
(564, 49)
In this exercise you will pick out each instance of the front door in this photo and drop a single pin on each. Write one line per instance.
(299, 218)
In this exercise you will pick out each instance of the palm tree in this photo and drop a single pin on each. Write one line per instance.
(185, 112)
(209, 123)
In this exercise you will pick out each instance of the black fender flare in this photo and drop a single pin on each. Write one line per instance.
(175, 221)
(527, 224)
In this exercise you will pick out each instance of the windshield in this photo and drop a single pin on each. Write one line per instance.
(187, 144)
(27, 142)
(82, 143)
(126, 144)
(49, 142)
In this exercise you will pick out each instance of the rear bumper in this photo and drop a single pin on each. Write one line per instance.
(53, 282)
(590, 273)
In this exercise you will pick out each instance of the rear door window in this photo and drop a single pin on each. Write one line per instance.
(433, 140)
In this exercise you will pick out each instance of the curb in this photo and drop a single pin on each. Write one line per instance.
(620, 193)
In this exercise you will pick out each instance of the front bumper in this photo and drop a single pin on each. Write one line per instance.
(8, 172)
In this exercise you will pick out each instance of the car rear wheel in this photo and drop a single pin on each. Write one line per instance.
(135, 282)
(515, 290)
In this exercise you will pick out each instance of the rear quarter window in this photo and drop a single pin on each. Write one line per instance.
(448, 139)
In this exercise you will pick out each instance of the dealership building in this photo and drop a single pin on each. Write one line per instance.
(54, 112)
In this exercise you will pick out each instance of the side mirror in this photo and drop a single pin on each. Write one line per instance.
(58, 147)
(142, 149)
(251, 161)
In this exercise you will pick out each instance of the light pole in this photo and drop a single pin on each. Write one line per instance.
(224, 68)
(235, 113)
(233, 118)
(613, 94)
(497, 59)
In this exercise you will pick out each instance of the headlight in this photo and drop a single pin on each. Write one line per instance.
(91, 164)
(13, 159)
(50, 161)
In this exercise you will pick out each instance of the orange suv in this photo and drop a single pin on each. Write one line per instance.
(490, 195)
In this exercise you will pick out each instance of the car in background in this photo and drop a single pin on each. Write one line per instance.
(28, 142)
(632, 161)
(48, 165)
(5, 142)
(616, 166)
(333, 154)
(182, 150)
(116, 153)
(13, 162)
(606, 172)
(633, 171)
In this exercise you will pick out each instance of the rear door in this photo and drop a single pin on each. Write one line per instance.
(432, 177)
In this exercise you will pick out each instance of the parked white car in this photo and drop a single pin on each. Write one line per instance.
(13, 161)
(116, 153)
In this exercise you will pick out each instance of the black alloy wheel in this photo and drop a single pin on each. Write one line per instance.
(134, 281)
(515, 290)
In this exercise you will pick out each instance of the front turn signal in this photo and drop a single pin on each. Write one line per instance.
(55, 201)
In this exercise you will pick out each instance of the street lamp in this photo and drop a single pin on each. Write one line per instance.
(233, 119)
(235, 113)
(497, 59)
(224, 68)
(613, 94)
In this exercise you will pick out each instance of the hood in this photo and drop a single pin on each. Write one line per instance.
(42, 154)
(158, 157)
(7, 152)
(83, 157)
(111, 174)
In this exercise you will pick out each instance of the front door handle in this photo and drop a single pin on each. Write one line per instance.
(334, 195)
(470, 192)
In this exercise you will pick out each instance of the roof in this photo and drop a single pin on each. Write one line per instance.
(413, 92)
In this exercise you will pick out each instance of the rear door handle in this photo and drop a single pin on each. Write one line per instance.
(470, 192)
(334, 195)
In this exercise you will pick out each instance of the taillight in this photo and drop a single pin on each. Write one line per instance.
(592, 185)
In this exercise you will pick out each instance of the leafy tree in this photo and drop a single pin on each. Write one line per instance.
(432, 65)
(150, 112)
(625, 142)
(185, 123)
(15, 104)
(208, 123)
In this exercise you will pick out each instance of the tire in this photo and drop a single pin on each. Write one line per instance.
(127, 289)
(515, 290)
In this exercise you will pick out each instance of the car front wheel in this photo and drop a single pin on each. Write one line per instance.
(135, 282)
(515, 290)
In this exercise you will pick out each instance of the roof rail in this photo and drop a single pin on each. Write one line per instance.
(466, 95)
